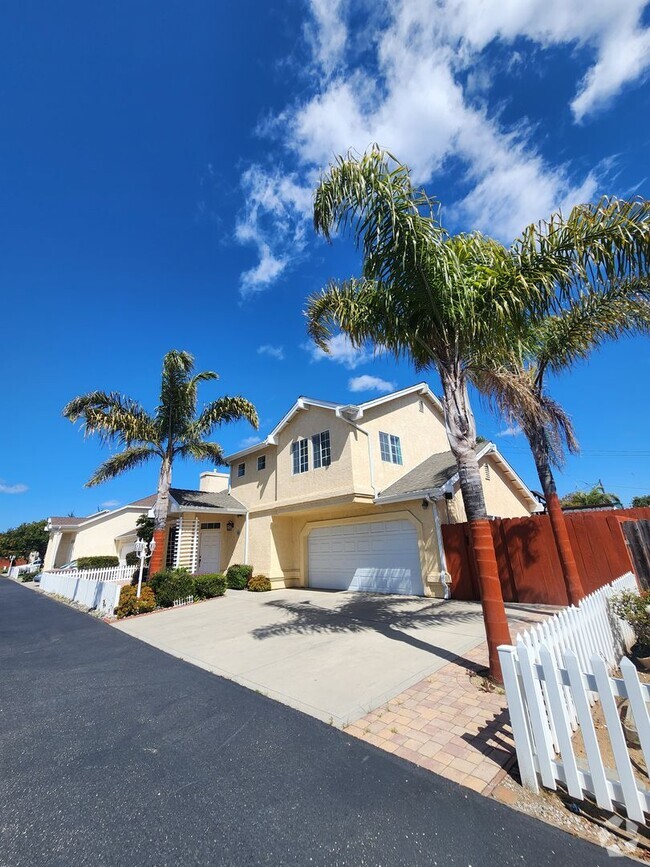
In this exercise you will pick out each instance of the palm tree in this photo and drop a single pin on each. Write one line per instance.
(570, 330)
(173, 430)
(446, 302)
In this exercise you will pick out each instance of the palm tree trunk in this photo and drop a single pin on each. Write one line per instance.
(539, 446)
(160, 512)
(461, 431)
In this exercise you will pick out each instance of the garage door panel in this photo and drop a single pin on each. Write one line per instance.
(380, 557)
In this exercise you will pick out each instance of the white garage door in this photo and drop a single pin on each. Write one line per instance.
(381, 557)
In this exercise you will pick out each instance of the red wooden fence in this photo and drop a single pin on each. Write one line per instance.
(529, 566)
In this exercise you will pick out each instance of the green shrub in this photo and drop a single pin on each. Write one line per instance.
(100, 561)
(177, 585)
(130, 604)
(159, 578)
(28, 576)
(634, 608)
(237, 576)
(208, 586)
(259, 583)
(132, 558)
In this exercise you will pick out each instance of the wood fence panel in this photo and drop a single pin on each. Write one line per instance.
(529, 565)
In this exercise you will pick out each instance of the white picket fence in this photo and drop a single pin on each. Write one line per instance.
(553, 676)
(93, 588)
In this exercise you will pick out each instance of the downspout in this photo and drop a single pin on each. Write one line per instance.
(445, 577)
(246, 539)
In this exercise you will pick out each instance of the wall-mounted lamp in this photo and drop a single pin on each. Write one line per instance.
(230, 525)
(425, 503)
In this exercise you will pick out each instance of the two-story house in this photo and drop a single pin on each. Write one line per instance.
(352, 496)
(338, 496)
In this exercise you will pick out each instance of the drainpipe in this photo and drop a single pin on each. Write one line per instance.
(246, 539)
(445, 576)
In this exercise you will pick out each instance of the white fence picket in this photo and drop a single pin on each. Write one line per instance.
(93, 588)
(555, 673)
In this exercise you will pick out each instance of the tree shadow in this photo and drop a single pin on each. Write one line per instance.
(387, 616)
(494, 738)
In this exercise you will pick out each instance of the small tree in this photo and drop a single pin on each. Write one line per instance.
(144, 528)
(597, 496)
(20, 541)
(641, 502)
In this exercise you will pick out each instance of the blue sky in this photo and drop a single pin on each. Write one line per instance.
(156, 166)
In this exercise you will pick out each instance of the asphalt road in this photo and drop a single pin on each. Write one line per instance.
(112, 752)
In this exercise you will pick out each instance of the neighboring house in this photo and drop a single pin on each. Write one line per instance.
(338, 496)
(196, 518)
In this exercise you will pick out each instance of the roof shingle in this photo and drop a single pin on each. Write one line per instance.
(432, 473)
(206, 500)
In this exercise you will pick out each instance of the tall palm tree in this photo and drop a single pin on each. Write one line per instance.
(571, 328)
(446, 301)
(173, 430)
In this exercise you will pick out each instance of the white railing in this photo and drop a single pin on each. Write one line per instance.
(93, 588)
(553, 677)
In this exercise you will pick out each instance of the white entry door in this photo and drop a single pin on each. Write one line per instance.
(210, 552)
(379, 557)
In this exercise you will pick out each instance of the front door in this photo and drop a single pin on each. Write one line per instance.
(210, 552)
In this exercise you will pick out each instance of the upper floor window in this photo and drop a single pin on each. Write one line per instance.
(390, 448)
(300, 456)
(322, 450)
(241, 470)
(261, 462)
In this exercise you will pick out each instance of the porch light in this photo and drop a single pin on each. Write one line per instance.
(230, 525)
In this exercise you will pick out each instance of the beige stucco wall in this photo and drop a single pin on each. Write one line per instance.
(59, 549)
(213, 481)
(502, 498)
(99, 537)
(421, 433)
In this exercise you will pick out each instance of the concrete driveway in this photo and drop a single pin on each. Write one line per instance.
(334, 655)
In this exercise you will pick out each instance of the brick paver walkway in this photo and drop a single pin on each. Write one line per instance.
(448, 724)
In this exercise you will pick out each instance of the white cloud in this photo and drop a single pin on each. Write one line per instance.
(417, 81)
(110, 504)
(370, 383)
(12, 489)
(250, 441)
(341, 351)
(512, 430)
(272, 351)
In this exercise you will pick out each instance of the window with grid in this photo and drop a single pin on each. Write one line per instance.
(390, 448)
(241, 470)
(172, 538)
(300, 456)
(261, 463)
(322, 451)
(211, 525)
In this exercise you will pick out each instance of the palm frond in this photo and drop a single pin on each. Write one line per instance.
(112, 417)
(221, 411)
(121, 462)
(202, 451)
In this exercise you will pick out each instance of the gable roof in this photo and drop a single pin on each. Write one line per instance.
(438, 473)
(220, 501)
(65, 521)
(351, 411)
(434, 472)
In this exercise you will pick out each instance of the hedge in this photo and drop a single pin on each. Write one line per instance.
(177, 585)
(99, 561)
(209, 586)
(238, 576)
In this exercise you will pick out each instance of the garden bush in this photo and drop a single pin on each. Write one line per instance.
(208, 586)
(259, 583)
(238, 576)
(132, 558)
(634, 608)
(159, 578)
(99, 561)
(179, 584)
(130, 604)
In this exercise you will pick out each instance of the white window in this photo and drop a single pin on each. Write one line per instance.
(390, 448)
(241, 470)
(321, 448)
(261, 463)
(300, 456)
(211, 525)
